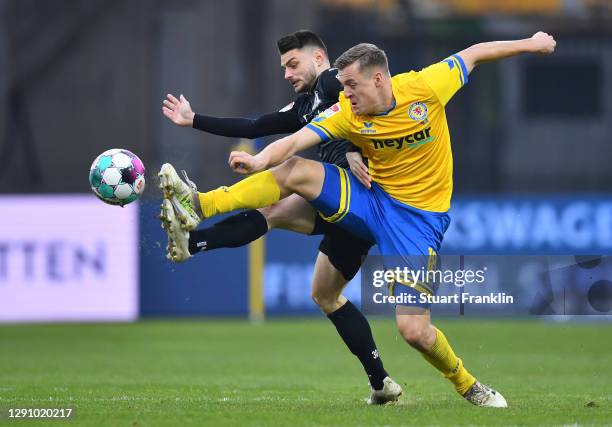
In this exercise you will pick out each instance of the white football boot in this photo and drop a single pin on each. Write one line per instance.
(178, 239)
(390, 392)
(483, 395)
(183, 196)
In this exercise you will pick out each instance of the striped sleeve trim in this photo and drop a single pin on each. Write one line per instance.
(463, 69)
(323, 133)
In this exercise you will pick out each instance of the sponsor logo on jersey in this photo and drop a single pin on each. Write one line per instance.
(367, 128)
(409, 141)
(417, 111)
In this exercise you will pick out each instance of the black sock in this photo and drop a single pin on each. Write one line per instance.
(234, 231)
(355, 330)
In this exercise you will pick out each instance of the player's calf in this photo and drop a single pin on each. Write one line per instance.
(433, 346)
(415, 328)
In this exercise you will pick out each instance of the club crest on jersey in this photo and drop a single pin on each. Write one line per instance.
(417, 111)
(327, 113)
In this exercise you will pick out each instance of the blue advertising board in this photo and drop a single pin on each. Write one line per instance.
(217, 283)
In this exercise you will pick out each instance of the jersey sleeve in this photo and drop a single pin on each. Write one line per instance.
(330, 124)
(446, 77)
(269, 124)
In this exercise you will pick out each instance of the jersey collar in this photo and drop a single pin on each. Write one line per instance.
(389, 110)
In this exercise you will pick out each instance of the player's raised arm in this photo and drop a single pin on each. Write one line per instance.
(479, 53)
(179, 111)
(275, 153)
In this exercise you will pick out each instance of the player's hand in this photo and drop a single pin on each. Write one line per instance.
(543, 42)
(359, 169)
(178, 110)
(245, 163)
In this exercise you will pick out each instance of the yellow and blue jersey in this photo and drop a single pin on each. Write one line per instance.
(408, 147)
(410, 161)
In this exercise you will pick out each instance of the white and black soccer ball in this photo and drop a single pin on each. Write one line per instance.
(117, 177)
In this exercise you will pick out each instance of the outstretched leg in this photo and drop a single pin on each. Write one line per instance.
(296, 175)
(292, 213)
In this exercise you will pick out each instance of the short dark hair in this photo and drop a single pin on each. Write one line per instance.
(366, 54)
(298, 40)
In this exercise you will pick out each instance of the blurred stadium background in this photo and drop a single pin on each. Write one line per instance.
(531, 141)
(531, 135)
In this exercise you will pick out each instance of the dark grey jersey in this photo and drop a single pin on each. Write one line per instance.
(322, 95)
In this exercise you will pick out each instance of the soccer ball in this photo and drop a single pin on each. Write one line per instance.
(117, 177)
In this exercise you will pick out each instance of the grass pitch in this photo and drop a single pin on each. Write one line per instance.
(298, 372)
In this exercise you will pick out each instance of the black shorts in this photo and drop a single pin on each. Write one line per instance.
(345, 251)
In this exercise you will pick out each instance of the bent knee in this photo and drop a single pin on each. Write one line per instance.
(295, 172)
(414, 335)
(293, 161)
(272, 215)
(327, 302)
(286, 168)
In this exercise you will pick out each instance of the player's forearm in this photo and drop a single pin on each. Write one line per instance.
(222, 126)
(269, 124)
(282, 149)
(277, 152)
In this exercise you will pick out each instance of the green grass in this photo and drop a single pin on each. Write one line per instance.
(297, 372)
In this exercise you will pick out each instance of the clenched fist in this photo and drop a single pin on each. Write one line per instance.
(543, 42)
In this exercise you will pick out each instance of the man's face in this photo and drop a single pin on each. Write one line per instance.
(300, 69)
(360, 87)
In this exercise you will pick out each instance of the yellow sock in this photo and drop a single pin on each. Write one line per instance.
(256, 191)
(443, 358)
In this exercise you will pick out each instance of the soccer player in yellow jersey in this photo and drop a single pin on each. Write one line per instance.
(400, 125)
